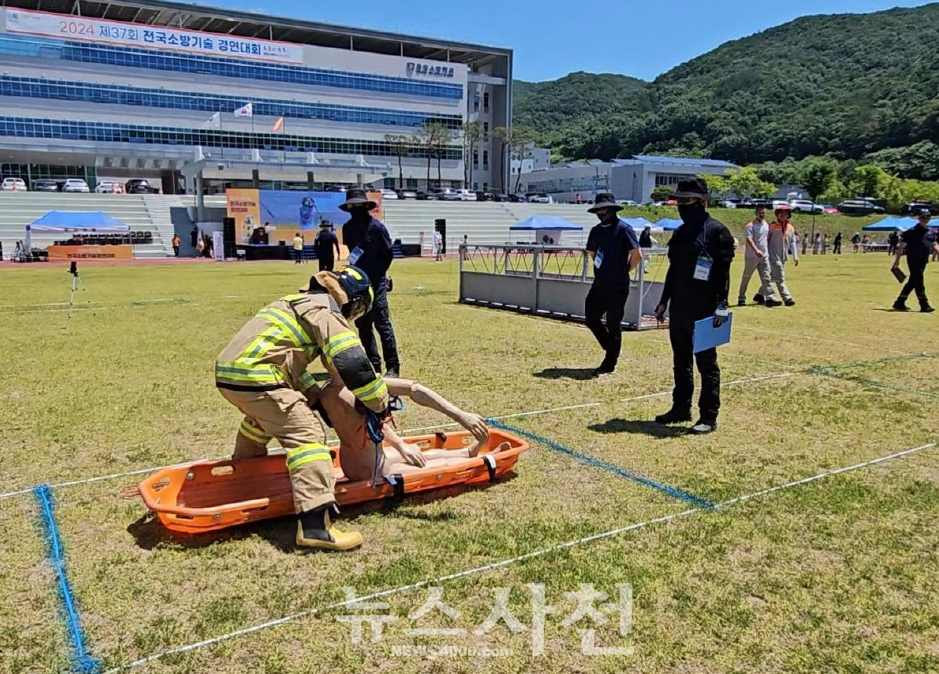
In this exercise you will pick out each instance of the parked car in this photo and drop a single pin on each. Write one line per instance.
(467, 195)
(915, 206)
(859, 207)
(75, 185)
(108, 187)
(406, 194)
(729, 203)
(447, 194)
(627, 202)
(498, 196)
(483, 196)
(13, 184)
(138, 186)
(805, 206)
(425, 196)
(518, 198)
(539, 198)
(828, 208)
(757, 203)
(44, 185)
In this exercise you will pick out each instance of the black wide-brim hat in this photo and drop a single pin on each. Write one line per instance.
(694, 188)
(603, 201)
(357, 196)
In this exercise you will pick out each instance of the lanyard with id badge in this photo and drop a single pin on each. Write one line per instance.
(702, 268)
(355, 255)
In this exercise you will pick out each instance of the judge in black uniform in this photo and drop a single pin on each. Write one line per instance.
(369, 247)
(696, 287)
(613, 247)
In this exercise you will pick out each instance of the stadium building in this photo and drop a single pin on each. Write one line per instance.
(150, 89)
(632, 179)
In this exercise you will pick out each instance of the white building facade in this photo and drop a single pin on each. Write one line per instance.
(150, 89)
(632, 179)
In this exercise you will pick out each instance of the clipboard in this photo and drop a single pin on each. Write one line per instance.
(898, 273)
(706, 336)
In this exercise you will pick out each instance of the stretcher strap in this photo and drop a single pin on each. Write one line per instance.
(396, 481)
(490, 462)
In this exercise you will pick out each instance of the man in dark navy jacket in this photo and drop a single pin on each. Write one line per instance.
(369, 247)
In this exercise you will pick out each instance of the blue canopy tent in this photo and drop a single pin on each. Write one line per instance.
(549, 226)
(669, 224)
(93, 222)
(66, 221)
(890, 224)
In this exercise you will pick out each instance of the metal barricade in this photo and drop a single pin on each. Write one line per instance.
(553, 281)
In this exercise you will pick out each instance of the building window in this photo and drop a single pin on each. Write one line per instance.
(108, 132)
(485, 130)
(485, 159)
(476, 158)
(476, 101)
(201, 65)
(485, 187)
(31, 87)
(486, 102)
(671, 178)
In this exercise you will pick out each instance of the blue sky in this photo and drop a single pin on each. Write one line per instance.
(554, 37)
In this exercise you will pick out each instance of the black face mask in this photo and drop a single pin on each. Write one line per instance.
(359, 214)
(692, 214)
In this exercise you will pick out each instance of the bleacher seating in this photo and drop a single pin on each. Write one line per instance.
(17, 209)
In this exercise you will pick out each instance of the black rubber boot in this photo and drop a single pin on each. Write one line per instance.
(315, 530)
(674, 416)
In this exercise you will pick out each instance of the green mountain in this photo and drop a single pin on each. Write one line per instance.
(852, 86)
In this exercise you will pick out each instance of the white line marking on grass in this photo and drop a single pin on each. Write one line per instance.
(506, 562)
(514, 415)
(817, 339)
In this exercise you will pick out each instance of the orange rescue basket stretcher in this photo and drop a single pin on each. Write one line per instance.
(207, 496)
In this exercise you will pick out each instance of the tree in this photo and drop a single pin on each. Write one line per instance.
(514, 140)
(434, 138)
(816, 178)
(718, 185)
(472, 133)
(746, 183)
(662, 192)
(400, 145)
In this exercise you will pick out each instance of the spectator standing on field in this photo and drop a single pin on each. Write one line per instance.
(817, 243)
(836, 248)
(438, 246)
(892, 242)
(298, 248)
(782, 245)
(176, 244)
(824, 244)
(194, 235)
(756, 259)
(856, 241)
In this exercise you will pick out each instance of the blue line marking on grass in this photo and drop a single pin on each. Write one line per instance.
(603, 465)
(83, 661)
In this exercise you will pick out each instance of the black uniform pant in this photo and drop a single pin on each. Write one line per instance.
(916, 283)
(681, 335)
(612, 303)
(297, 256)
(326, 263)
(379, 318)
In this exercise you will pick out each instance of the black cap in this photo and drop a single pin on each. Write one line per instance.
(357, 196)
(692, 188)
(604, 200)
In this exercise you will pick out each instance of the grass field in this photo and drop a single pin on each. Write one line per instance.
(836, 575)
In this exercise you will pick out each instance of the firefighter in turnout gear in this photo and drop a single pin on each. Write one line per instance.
(263, 372)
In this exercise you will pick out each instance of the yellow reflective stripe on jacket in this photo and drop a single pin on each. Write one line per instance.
(371, 391)
(254, 434)
(339, 343)
(288, 324)
(248, 373)
(307, 381)
(262, 344)
(305, 453)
